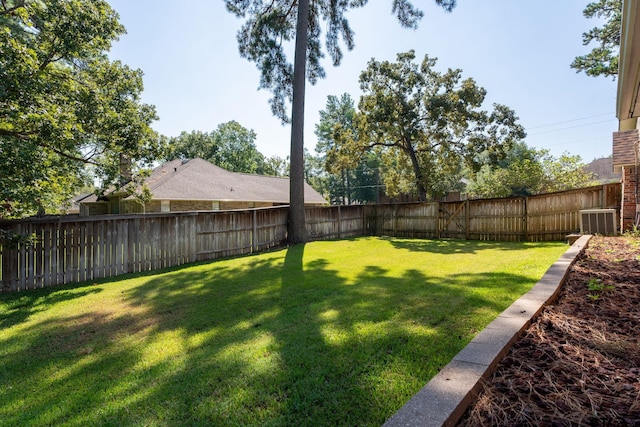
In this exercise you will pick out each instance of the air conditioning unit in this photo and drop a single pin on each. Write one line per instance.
(598, 221)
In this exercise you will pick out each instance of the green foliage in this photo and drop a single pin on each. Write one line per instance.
(63, 104)
(603, 58)
(8, 238)
(521, 178)
(314, 173)
(190, 145)
(526, 171)
(230, 146)
(136, 187)
(275, 166)
(34, 180)
(596, 288)
(565, 172)
(633, 232)
(363, 184)
(237, 149)
(424, 125)
(336, 117)
(346, 181)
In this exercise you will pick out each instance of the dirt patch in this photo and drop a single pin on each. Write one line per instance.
(578, 364)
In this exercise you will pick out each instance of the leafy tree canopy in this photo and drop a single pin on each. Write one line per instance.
(603, 58)
(425, 125)
(63, 103)
(337, 115)
(526, 171)
(345, 182)
(276, 166)
(230, 146)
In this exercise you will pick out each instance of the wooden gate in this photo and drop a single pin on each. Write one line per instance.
(453, 220)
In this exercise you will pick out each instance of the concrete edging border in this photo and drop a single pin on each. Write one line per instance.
(445, 398)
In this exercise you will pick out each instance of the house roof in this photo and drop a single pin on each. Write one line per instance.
(197, 179)
(603, 170)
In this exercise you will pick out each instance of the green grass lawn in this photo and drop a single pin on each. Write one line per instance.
(327, 333)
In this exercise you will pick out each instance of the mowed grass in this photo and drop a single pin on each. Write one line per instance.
(327, 333)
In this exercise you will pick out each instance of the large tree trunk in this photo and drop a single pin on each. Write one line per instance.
(422, 191)
(297, 226)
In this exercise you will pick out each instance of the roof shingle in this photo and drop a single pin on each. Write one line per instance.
(197, 179)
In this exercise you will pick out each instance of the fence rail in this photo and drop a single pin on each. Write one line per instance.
(71, 249)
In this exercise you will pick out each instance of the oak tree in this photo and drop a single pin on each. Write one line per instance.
(63, 104)
(425, 124)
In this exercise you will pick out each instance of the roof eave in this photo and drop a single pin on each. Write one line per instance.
(629, 67)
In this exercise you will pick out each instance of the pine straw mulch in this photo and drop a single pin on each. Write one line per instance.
(578, 364)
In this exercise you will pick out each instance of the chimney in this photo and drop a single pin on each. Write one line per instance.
(125, 169)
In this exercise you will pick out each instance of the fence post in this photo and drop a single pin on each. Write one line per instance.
(193, 231)
(10, 267)
(525, 219)
(364, 220)
(10, 273)
(395, 220)
(438, 220)
(254, 233)
(339, 223)
(467, 219)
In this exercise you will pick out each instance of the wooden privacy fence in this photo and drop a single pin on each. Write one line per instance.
(70, 249)
(545, 217)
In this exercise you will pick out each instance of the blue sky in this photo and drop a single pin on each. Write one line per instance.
(518, 51)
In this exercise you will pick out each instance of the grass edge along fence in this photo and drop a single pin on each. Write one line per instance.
(69, 249)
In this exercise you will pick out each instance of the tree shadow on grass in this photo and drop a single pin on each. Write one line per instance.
(17, 307)
(452, 246)
(271, 340)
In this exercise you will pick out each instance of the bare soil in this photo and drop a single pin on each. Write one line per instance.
(578, 364)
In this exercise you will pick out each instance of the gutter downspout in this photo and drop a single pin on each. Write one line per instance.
(637, 147)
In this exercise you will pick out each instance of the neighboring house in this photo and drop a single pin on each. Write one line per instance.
(626, 140)
(72, 206)
(197, 185)
(602, 170)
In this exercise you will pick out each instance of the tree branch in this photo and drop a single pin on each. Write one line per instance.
(384, 144)
(293, 4)
(25, 136)
(14, 134)
(68, 156)
(50, 57)
(8, 11)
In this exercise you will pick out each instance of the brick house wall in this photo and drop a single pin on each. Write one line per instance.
(629, 198)
(96, 208)
(624, 159)
(244, 205)
(153, 206)
(192, 205)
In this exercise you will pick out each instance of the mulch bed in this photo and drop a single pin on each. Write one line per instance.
(578, 364)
